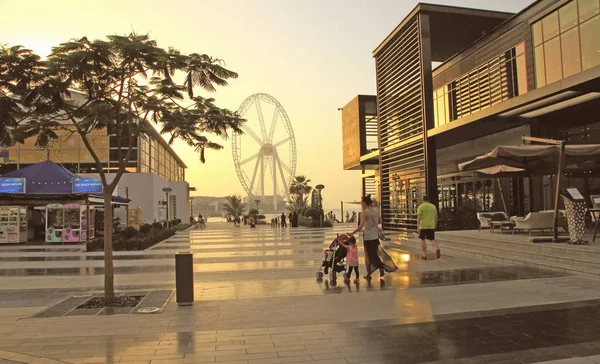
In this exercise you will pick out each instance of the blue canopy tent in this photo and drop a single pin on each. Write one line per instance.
(48, 178)
(44, 177)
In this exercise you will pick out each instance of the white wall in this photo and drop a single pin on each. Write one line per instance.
(145, 190)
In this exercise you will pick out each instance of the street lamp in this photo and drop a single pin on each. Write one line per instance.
(257, 202)
(192, 207)
(166, 190)
(319, 188)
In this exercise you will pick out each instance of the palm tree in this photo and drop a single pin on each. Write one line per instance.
(298, 204)
(300, 186)
(235, 208)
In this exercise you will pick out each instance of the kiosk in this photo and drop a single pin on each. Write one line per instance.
(13, 224)
(55, 217)
(76, 223)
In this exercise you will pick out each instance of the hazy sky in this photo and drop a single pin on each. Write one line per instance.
(312, 55)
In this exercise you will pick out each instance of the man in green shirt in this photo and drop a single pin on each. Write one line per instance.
(426, 224)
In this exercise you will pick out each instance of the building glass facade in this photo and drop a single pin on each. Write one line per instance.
(567, 41)
(491, 83)
(70, 151)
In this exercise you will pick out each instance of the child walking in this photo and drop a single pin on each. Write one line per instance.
(351, 259)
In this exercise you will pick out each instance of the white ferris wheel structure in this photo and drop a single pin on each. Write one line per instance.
(265, 158)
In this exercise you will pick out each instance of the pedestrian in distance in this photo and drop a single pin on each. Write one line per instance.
(283, 220)
(426, 223)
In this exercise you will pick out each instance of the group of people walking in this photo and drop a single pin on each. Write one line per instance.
(284, 220)
(376, 259)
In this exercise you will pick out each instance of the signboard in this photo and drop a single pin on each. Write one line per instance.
(134, 218)
(575, 194)
(87, 185)
(12, 185)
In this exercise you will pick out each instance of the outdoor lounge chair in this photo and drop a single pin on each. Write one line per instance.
(543, 220)
(485, 218)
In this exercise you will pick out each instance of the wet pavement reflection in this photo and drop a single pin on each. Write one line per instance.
(257, 301)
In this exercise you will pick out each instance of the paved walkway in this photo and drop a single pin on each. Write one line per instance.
(257, 301)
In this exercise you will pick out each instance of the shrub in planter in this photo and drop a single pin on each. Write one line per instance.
(157, 225)
(166, 224)
(305, 222)
(327, 224)
(145, 228)
(94, 245)
(177, 221)
(313, 213)
(119, 245)
(174, 222)
(137, 244)
(129, 232)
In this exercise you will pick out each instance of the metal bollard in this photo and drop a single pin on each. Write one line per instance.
(184, 278)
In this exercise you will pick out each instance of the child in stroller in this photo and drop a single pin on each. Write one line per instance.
(335, 259)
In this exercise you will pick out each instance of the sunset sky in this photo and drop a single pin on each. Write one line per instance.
(313, 56)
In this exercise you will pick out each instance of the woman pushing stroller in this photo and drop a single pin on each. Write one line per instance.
(375, 257)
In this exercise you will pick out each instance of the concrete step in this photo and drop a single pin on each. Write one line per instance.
(537, 252)
(484, 253)
(521, 242)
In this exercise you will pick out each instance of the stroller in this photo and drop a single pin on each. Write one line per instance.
(335, 259)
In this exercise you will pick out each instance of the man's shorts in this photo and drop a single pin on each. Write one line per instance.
(427, 234)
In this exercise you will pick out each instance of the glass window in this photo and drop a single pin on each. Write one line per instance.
(67, 142)
(588, 9)
(553, 60)
(550, 26)
(442, 109)
(64, 155)
(521, 75)
(32, 156)
(97, 141)
(436, 117)
(570, 52)
(537, 33)
(520, 49)
(29, 143)
(590, 43)
(86, 157)
(540, 69)
(568, 16)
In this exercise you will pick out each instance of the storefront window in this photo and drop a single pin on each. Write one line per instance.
(568, 16)
(537, 33)
(550, 27)
(588, 9)
(570, 52)
(553, 60)
(590, 43)
(540, 69)
(577, 48)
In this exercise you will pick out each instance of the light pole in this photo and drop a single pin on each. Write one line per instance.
(319, 188)
(166, 190)
(257, 202)
(192, 207)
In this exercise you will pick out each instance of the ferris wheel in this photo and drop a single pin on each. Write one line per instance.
(265, 159)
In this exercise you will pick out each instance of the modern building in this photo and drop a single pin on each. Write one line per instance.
(448, 93)
(153, 165)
